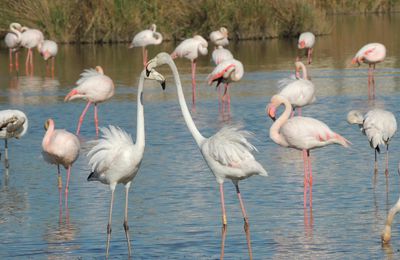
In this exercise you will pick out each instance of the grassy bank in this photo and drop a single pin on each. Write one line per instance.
(118, 20)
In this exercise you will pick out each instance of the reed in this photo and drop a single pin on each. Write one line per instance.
(90, 21)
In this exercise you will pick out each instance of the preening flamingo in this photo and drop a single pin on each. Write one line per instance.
(13, 124)
(307, 40)
(48, 49)
(379, 126)
(228, 153)
(60, 147)
(220, 37)
(95, 87)
(116, 159)
(13, 41)
(221, 54)
(387, 230)
(146, 37)
(299, 92)
(30, 38)
(191, 49)
(370, 54)
(302, 133)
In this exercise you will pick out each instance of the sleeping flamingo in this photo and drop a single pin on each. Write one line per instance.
(302, 133)
(221, 54)
(370, 54)
(60, 147)
(379, 126)
(13, 41)
(95, 87)
(13, 124)
(48, 49)
(191, 49)
(228, 153)
(146, 37)
(307, 40)
(116, 159)
(220, 37)
(299, 92)
(30, 38)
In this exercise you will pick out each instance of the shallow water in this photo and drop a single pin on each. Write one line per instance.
(174, 208)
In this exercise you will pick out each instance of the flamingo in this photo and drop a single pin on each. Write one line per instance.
(302, 133)
(116, 159)
(48, 49)
(13, 41)
(307, 40)
(13, 124)
(60, 147)
(146, 37)
(379, 126)
(386, 233)
(227, 72)
(299, 92)
(95, 87)
(370, 54)
(220, 37)
(221, 54)
(228, 153)
(30, 38)
(191, 49)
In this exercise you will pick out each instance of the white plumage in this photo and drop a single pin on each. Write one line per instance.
(147, 37)
(191, 48)
(306, 40)
(370, 53)
(13, 38)
(220, 37)
(48, 49)
(221, 54)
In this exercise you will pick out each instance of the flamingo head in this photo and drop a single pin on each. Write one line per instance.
(153, 27)
(271, 111)
(357, 60)
(99, 69)
(386, 234)
(154, 75)
(48, 123)
(301, 44)
(224, 31)
(45, 54)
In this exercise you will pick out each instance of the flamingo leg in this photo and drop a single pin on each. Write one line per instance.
(96, 120)
(194, 81)
(224, 222)
(11, 64)
(246, 220)
(229, 98)
(6, 163)
(310, 181)
(376, 163)
(305, 179)
(109, 222)
(144, 54)
(67, 186)
(310, 50)
(52, 67)
(373, 80)
(387, 160)
(59, 182)
(27, 62)
(219, 99)
(299, 111)
(16, 62)
(126, 227)
(82, 117)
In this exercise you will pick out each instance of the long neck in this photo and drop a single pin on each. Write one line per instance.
(48, 135)
(140, 136)
(185, 111)
(15, 31)
(304, 71)
(159, 39)
(276, 126)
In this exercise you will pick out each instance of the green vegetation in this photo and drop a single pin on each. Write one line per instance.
(118, 20)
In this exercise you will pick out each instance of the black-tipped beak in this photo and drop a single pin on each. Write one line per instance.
(273, 118)
(147, 72)
(163, 85)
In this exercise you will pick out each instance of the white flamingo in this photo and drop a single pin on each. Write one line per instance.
(30, 38)
(95, 87)
(221, 54)
(300, 91)
(146, 37)
(302, 133)
(13, 124)
(13, 42)
(116, 159)
(306, 41)
(227, 153)
(379, 126)
(387, 230)
(220, 37)
(48, 49)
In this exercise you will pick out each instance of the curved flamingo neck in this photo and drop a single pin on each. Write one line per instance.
(14, 30)
(304, 71)
(182, 102)
(274, 133)
(159, 38)
(49, 134)
(140, 134)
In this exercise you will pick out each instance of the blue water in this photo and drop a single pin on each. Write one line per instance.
(174, 207)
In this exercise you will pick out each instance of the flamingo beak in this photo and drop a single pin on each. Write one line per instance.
(46, 124)
(163, 85)
(302, 44)
(271, 110)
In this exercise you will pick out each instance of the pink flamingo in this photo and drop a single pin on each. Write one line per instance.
(191, 49)
(307, 40)
(302, 133)
(221, 54)
(146, 37)
(48, 49)
(370, 54)
(95, 87)
(60, 147)
(220, 37)
(13, 41)
(30, 38)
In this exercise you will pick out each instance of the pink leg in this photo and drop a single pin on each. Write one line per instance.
(67, 186)
(82, 117)
(27, 62)
(310, 50)
(144, 51)
(16, 62)
(96, 120)
(219, 99)
(387, 160)
(11, 64)
(52, 67)
(59, 180)
(31, 61)
(373, 81)
(310, 176)
(246, 220)
(305, 179)
(229, 98)
(224, 97)
(224, 222)
(194, 81)
(369, 82)
(376, 164)
(299, 111)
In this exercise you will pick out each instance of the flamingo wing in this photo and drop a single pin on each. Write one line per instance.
(379, 126)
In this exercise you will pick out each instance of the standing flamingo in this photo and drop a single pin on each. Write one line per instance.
(116, 159)
(13, 124)
(379, 126)
(191, 49)
(307, 40)
(227, 153)
(95, 87)
(13, 41)
(299, 92)
(146, 37)
(30, 38)
(60, 147)
(370, 54)
(302, 133)
(48, 49)
(226, 72)
(220, 37)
